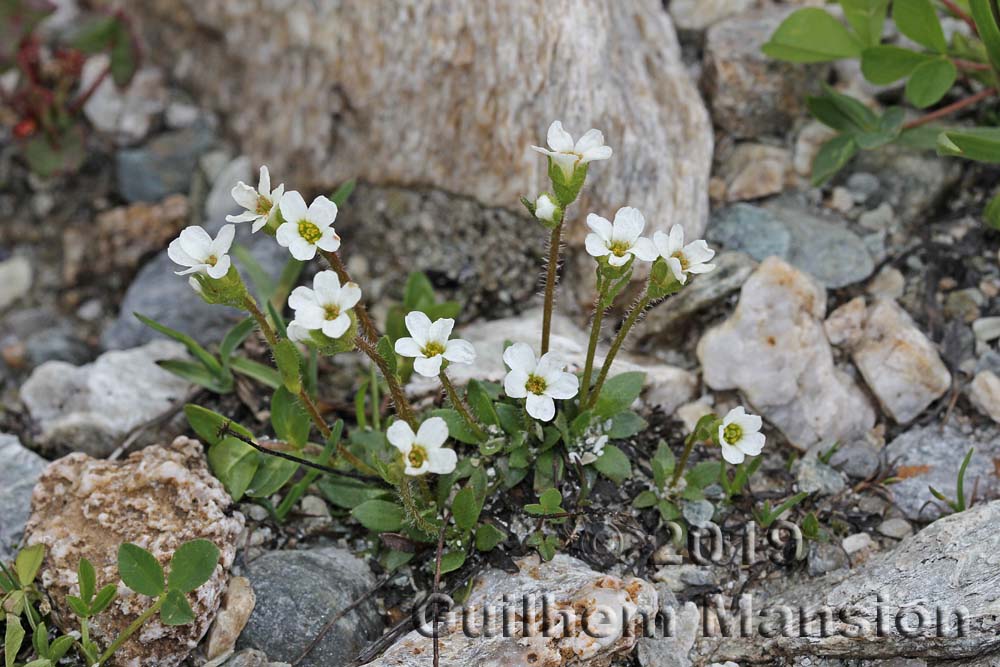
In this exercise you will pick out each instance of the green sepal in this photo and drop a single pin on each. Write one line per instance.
(662, 282)
(566, 189)
(228, 290)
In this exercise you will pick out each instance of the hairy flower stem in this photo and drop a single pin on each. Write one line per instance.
(679, 469)
(460, 405)
(595, 335)
(131, 629)
(406, 495)
(367, 325)
(402, 405)
(550, 285)
(638, 309)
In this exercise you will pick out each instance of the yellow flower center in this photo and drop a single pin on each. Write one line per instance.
(212, 260)
(732, 434)
(618, 248)
(417, 456)
(535, 384)
(682, 259)
(433, 348)
(263, 205)
(332, 312)
(309, 231)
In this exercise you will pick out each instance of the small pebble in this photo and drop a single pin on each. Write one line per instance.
(863, 185)
(895, 528)
(879, 218)
(841, 199)
(857, 542)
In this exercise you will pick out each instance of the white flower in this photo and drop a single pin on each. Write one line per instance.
(545, 208)
(326, 305)
(620, 241)
(195, 249)
(422, 451)
(429, 345)
(259, 203)
(590, 147)
(539, 381)
(306, 229)
(298, 333)
(683, 259)
(740, 436)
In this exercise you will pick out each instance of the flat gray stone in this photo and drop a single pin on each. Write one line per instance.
(18, 474)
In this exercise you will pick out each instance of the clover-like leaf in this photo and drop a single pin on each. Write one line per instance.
(176, 610)
(192, 565)
(140, 570)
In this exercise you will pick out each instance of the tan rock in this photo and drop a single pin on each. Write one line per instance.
(755, 171)
(159, 498)
(846, 324)
(774, 350)
(237, 605)
(448, 94)
(984, 392)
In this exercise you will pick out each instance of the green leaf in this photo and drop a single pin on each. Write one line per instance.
(511, 418)
(917, 20)
(27, 563)
(385, 350)
(124, 56)
(235, 463)
(12, 640)
(488, 537)
(103, 598)
(63, 153)
(625, 425)
(614, 465)
(811, 35)
(192, 565)
(87, 578)
(196, 373)
(704, 474)
(981, 144)
(986, 24)
(208, 424)
(289, 363)
(991, 214)
(457, 427)
(645, 499)
(264, 374)
(379, 516)
(930, 81)
(887, 64)
(200, 353)
(867, 17)
(842, 112)
(290, 420)
(481, 403)
(465, 508)
(451, 561)
(418, 292)
(60, 647)
(95, 35)
(234, 338)
(832, 157)
(175, 609)
(340, 195)
(140, 570)
(889, 126)
(349, 493)
(78, 606)
(619, 393)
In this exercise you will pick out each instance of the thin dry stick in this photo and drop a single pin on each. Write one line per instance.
(551, 276)
(949, 109)
(367, 325)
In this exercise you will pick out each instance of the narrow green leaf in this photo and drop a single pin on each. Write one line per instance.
(87, 578)
(451, 561)
(196, 373)
(104, 597)
(989, 31)
(340, 195)
(811, 35)
(234, 338)
(289, 418)
(192, 565)
(349, 493)
(832, 157)
(418, 292)
(976, 143)
(386, 351)
(481, 403)
(27, 563)
(625, 425)
(176, 610)
(78, 606)
(930, 81)
(917, 20)
(289, 362)
(645, 499)
(271, 475)
(289, 277)
(13, 638)
(210, 362)
(208, 424)
(991, 214)
(266, 375)
(140, 570)
(235, 463)
(263, 284)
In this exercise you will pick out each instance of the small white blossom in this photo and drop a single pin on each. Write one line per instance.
(196, 250)
(429, 345)
(537, 380)
(324, 307)
(306, 229)
(545, 208)
(298, 333)
(423, 451)
(740, 436)
(259, 203)
(619, 241)
(568, 155)
(683, 259)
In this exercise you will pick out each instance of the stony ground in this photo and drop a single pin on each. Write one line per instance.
(860, 319)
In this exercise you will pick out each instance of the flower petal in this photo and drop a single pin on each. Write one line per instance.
(596, 246)
(701, 268)
(264, 182)
(419, 326)
(676, 239)
(559, 139)
(245, 196)
(440, 330)
(519, 357)
(698, 252)
(322, 211)
(408, 347)
(327, 286)
(301, 297)
(441, 461)
(432, 433)
(513, 384)
(400, 436)
(752, 444)
(429, 367)
(662, 243)
(350, 294)
(591, 139)
(601, 227)
(645, 250)
(629, 224)
(329, 240)
(599, 153)
(196, 242)
(417, 472)
(177, 254)
(549, 365)
(541, 407)
(224, 241)
(311, 317)
(732, 454)
(293, 207)
(301, 249)
(286, 234)
(615, 260)
(338, 326)
(460, 351)
(562, 386)
(245, 216)
(221, 267)
(733, 415)
(675, 268)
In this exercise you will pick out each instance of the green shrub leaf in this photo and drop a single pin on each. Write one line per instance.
(867, 17)
(466, 508)
(488, 537)
(981, 144)
(811, 35)
(832, 157)
(140, 570)
(175, 609)
(27, 563)
(192, 565)
(379, 515)
(917, 20)
(989, 31)
(887, 64)
(614, 465)
(930, 81)
(619, 393)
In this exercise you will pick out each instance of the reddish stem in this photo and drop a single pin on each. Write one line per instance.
(971, 65)
(958, 13)
(950, 109)
(88, 93)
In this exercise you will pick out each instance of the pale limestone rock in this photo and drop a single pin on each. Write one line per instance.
(237, 605)
(572, 585)
(774, 350)
(755, 170)
(127, 114)
(700, 14)
(899, 363)
(15, 280)
(89, 408)
(21, 468)
(846, 324)
(667, 386)
(888, 283)
(984, 392)
(159, 498)
(345, 93)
